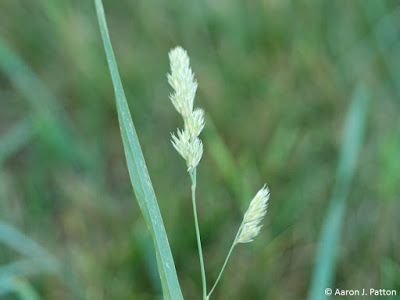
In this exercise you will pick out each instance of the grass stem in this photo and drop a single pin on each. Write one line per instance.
(225, 263)
(196, 222)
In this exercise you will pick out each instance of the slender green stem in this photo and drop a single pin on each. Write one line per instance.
(196, 223)
(226, 261)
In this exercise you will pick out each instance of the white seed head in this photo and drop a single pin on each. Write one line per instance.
(196, 152)
(190, 149)
(181, 78)
(182, 81)
(181, 143)
(253, 216)
(195, 123)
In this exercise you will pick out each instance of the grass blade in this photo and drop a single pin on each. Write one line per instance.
(140, 178)
(13, 238)
(16, 138)
(19, 286)
(29, 267)
(324, 269)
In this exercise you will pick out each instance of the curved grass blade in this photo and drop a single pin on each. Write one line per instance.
(19, 286)
(139, 175)
(15, 138)
(13, 238)
(325, 264)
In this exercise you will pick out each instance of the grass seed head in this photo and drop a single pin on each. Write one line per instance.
(253, 216)
(181, 79)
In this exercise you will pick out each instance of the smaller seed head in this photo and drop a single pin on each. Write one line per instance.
(253, 216)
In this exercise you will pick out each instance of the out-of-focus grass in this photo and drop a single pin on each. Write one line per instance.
(16, 138)
(49, 118)
(326, 255)
(21, 287)
(39, 261)
(274, 78)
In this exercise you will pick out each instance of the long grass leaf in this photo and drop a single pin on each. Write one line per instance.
(140, 178)
(325, 264)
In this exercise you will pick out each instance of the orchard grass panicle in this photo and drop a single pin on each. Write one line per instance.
(252, 218)
(181, 79)
(190, 147)
(186, 141)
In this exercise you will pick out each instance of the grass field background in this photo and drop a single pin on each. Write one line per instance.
(276, 80)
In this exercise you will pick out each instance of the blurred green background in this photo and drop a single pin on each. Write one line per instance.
(276, 80)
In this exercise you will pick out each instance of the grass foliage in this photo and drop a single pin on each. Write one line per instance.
(139, 175)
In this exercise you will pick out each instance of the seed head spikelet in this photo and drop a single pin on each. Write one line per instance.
(253, 216)
(190, 149)
(195, 123)
(181, 79)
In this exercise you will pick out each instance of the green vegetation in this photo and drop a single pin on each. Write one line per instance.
(139, 175)
(276, 80)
